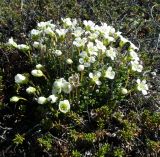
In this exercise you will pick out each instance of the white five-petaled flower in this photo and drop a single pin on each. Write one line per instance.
(109, 73)
(136, 66)
(92, 50)
(89, 24)
(80, 42)
(142, 86)
(19, 78)
(37, 73)
(52, 98)
(133, 47)
(67, 87)
(109, 38)
(64, 106)
(49, 31)
(43, 25)
(31, 90)
(61, 85)
(111, 53)
(35, 32)
(42, 100)
(58, 85)
(134, 55)
(61, 32)
(85, 59)
(100, 45)
(78, 32)
(123, 39)
(69, 23)
(93, 35)
(95, 77)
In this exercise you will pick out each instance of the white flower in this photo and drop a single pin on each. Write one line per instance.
(154, 73)
(31, 90)
(117, 34)
(134, 55)
(106, 30)
(78, 32)
(95, 77)
(85, 59)
(23, 47)
(92, 50)
(89, 24)
(64, 106)
(49, 31)
(44, 25)
(67, 87)
(80, 67)
(133, 47)
(136, 66)
(93, 35)
(42, 100)
(69, 23)
(79, 42)
(124, 91)
(142, 86)
(61, 32)
(69, 61)
(58, 85)
(111, 53)
(100, 45)
(109, 73)
(52, 98)
(58, 52)
(123, 40)
(36, 44)
(35, 32)
(109, 38)
(12, 42)
(37, 73)
(39, 66)
(19, 78)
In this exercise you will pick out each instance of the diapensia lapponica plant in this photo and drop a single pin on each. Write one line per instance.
(80, 64)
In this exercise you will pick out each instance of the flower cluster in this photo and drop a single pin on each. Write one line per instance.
(80, 54)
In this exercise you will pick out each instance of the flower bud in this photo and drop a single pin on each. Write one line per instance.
(39, 66)
(124, 91)
(37, 73)
(19, 78)
(58, 53)
(14, 99)
(69, 61)
(80, 67)
(42, 100)
(31, 90)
